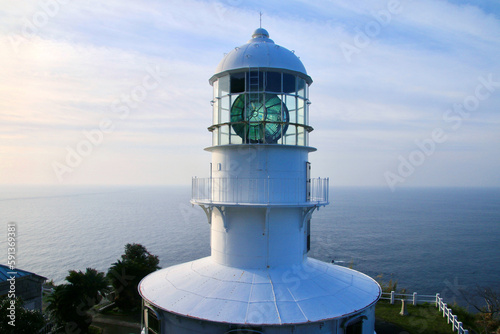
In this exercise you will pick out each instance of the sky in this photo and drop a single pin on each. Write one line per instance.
(405, 93)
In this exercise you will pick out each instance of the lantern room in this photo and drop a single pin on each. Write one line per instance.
(260, 94)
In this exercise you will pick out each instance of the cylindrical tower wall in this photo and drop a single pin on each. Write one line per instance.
(262, 174)
(263, 237)
(183, 325)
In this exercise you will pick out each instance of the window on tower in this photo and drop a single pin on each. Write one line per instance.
(355, 327)
(152, 321)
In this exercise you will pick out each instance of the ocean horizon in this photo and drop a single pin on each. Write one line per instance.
(429, 240)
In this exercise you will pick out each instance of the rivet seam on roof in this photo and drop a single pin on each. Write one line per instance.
(274, 301)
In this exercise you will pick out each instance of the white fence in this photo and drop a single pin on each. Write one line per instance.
(455, 324)
(434, 299)
(415, 298)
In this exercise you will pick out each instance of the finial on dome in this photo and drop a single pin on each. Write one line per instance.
(260, 33)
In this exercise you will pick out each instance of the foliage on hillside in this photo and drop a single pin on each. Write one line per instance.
(126, 274)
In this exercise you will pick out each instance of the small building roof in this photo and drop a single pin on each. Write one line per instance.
(5, 270)
(261, 52)
(207, 291)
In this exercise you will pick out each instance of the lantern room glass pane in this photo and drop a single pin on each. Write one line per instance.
(224, 110)
(306, 112)
(215, 137)
(255, 81)
(224, 116)
(216, 88)
(291, 135)
(224, 102)
(301, 139)
(215, 119)
(224, 85)
(273, 82)
(301, 87)
(300, 111)
(237, 83)
(290, 102)
(235, 138)
(288, 83)
(224, 135)
(300, 116)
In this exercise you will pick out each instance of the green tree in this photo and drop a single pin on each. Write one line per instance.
(26, 321)
(486, 301)
(69, 303)
(125, 275)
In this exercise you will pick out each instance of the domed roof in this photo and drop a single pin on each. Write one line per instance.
(207, 291)
(261, 52)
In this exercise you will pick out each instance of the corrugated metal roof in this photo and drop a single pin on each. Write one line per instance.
(313, 291)
(5, 270)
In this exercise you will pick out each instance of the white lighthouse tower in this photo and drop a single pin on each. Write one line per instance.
(259, 198)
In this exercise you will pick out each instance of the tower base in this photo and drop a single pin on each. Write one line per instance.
(205, 297)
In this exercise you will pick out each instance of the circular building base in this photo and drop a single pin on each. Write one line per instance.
(313, 292)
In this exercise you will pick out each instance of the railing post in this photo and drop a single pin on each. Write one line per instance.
(444, 310)
(392, 297)
(414, 299)
(466, 331)
(327, 188)
(319, 186)
(209, 187)
(192, 188)
(437, 299)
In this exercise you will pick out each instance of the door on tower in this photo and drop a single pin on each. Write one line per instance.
(308, 180)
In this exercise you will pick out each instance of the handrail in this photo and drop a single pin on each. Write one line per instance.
(269, 191)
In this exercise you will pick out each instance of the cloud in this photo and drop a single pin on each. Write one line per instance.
(86, 59)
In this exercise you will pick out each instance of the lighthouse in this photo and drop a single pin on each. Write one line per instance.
(259, 198)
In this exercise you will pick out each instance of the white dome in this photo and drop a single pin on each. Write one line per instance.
(261, 52)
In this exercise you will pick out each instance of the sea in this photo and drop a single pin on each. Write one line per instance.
(428, 240)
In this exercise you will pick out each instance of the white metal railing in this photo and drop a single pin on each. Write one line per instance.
(319, 190)
(416, 299)
(436, 300)
(260, 190)
(455, 324)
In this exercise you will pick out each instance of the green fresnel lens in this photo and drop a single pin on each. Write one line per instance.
(264, 122)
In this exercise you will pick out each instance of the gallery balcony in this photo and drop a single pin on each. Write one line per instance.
(260, 191)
